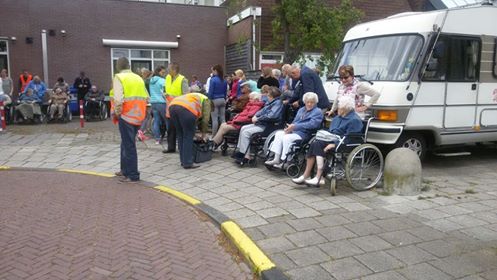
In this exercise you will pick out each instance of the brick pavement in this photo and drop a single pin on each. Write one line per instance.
(69, 226)
(448, 232)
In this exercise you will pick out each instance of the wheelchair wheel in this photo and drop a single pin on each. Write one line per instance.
(103, 112)
(293, 170)
(268, 142)
(364, 167)
(333, 186)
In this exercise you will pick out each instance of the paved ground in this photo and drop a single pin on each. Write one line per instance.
(56, 225)
(448, 232)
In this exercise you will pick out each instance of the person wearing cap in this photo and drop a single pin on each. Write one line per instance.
(240, 102)
(184, 112)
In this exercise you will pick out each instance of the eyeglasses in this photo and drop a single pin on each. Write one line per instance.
(344, 77)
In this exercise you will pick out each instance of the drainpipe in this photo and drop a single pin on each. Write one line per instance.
(254, 15)
(44, 50)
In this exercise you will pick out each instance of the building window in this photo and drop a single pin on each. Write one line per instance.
(4, 55)
(140, 58)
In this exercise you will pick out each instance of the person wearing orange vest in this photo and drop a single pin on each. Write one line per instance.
(184, 111)
(24, 80)
(130, 103)
(174, 86)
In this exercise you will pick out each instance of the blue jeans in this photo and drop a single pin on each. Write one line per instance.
(184, 122)
(159, 113)
(129, 157)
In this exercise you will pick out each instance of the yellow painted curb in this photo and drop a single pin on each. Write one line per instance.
(259, 260)
(178, 194)
(3, 167)
(108, 175)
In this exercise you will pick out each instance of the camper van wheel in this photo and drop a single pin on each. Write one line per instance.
(413, 141)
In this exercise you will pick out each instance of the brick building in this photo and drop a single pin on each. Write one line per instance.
(89, 35)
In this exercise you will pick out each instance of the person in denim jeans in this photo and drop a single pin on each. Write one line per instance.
(218, 89)
(158, 102)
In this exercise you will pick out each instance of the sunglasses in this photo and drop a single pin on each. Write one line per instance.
(344, 77)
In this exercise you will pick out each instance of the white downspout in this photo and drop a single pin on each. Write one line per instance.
(44, 50)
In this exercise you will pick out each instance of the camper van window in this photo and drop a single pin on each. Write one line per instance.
(463, 60)
(455, 59)
(387, 58)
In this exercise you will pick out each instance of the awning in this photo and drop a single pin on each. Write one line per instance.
(136, 43)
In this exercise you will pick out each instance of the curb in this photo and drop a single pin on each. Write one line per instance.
(259, 262)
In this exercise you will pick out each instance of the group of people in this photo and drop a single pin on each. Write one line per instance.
(33, 92)
(178, 108)
(303, 90)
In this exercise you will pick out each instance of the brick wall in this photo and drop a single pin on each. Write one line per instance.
(202, 29)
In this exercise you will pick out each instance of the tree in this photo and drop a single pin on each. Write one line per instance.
(309, 25)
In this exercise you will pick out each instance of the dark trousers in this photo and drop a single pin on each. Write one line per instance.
(129, 157)
(171, 134)
(184, 122)
(92, 108)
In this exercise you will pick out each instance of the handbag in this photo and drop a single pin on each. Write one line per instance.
(326, 136)
(202, 151)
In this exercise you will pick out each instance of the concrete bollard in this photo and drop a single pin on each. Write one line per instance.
(402, 174)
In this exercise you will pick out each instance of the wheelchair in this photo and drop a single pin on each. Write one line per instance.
(100, 114)
(295, 161)
(66, 116)
(258, 144)
(360, 163)
(18, 118)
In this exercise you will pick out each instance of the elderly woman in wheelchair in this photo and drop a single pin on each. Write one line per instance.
(305, 123)
(345, 123)
(265, 118)
(245, 117)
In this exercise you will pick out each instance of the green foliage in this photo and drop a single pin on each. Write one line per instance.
(309, 25)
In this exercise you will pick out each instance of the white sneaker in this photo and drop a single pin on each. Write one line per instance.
(299, 180)
(279, 165)
(272, 162)
(314, 181)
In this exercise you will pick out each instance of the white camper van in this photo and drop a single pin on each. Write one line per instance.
(436, 72)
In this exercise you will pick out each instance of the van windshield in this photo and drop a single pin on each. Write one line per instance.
(389, 58)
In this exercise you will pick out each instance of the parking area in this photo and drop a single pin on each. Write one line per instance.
(447, 232)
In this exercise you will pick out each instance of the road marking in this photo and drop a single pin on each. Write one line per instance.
(177, 194)
(247, 247)
(108, 175)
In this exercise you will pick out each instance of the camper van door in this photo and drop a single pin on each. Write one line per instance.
(462, 81)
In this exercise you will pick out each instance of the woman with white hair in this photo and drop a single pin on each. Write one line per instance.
(306, 122)
(244, 117)
(345, 123)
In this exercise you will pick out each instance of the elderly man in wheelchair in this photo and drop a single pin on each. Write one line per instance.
(341, 152)
(94, 104)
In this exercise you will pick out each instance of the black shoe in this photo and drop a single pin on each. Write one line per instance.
(193, 166)
(238, 156)
(244, 162)
(168, 151)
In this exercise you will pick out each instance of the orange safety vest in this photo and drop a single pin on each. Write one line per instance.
(192, 102)
(135, 97)
(25, 82)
